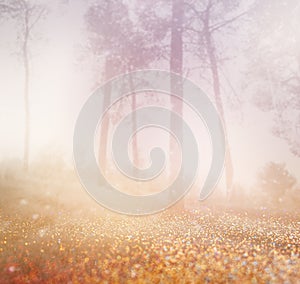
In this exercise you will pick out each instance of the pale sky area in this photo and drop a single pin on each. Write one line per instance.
(62, 78)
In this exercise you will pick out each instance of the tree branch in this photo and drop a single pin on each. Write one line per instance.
(221, 25)
(40, 14)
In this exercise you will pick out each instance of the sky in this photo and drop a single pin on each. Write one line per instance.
(62, 79)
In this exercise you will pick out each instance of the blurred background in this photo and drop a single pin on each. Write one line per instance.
(244, 54)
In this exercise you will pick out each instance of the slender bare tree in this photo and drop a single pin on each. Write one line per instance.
(210, 19)
(27, 15)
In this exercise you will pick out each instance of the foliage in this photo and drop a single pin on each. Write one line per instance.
(274, 66)
(275, 181)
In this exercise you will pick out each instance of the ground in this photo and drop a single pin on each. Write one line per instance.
(203, 245)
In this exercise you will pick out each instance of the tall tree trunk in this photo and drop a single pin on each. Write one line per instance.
(176, 65)
(135, 153)
(108, 74)
(26, 91)
(217, 93)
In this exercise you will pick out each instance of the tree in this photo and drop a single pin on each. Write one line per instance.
(104, 22)
(276, 181)
(210, 19)
(204, 21)
(168, 25)
(125, 47)
(176, 62)
(274, 66)
(27, 15)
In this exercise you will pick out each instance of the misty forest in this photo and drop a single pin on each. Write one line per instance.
(244, 55)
